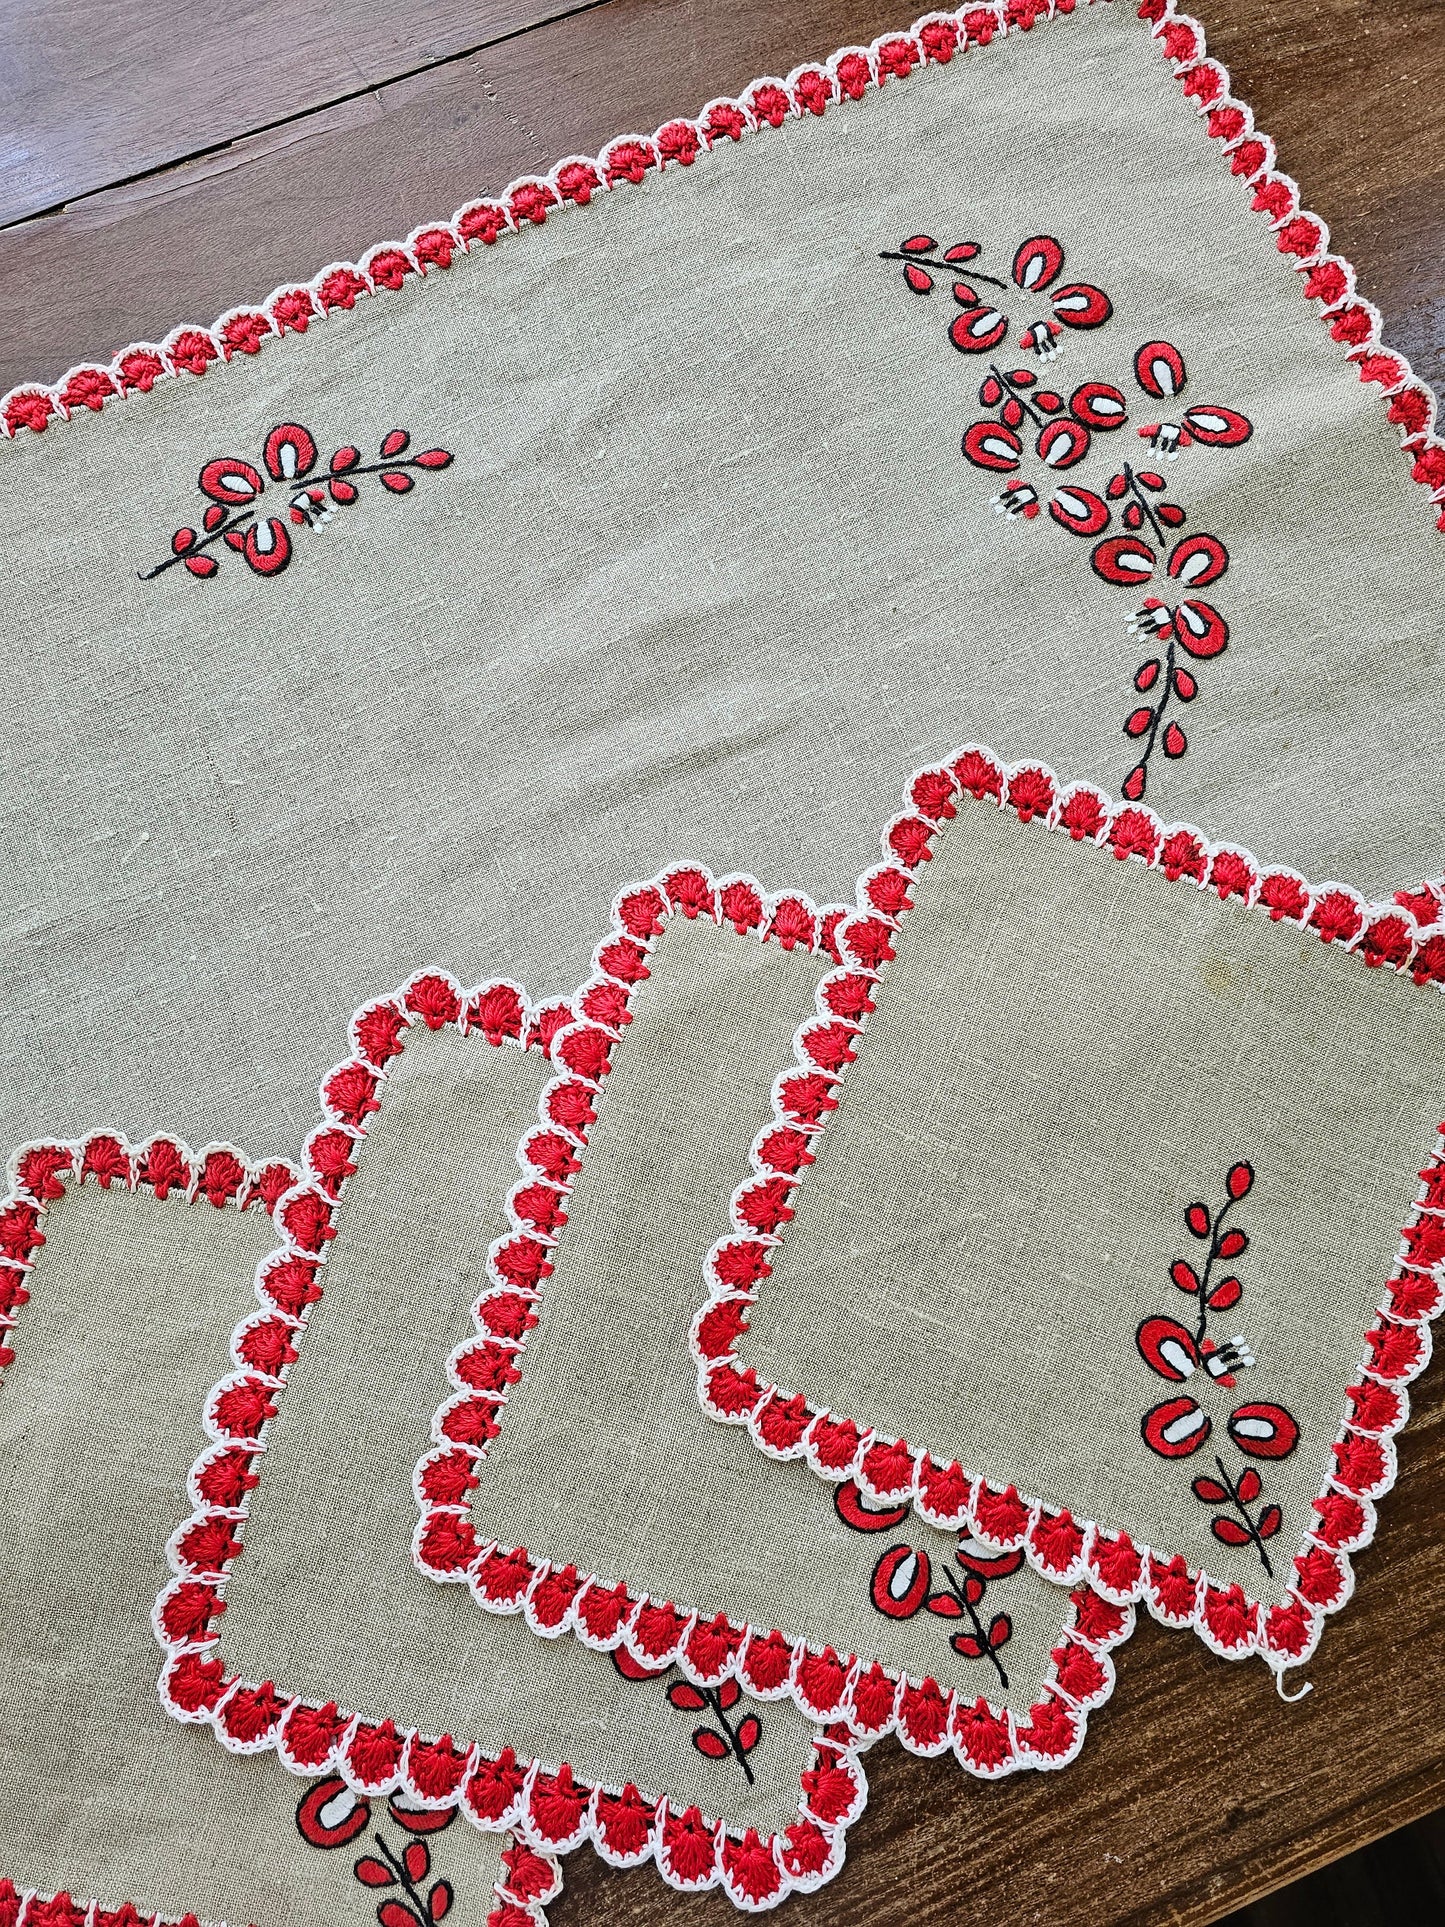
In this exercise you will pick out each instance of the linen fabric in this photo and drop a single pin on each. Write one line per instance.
(604, 1458)
(101, 1793)
(1068, 1052)
(325, 1597)
(707, 570)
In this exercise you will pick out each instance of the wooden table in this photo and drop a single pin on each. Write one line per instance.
(159, 166)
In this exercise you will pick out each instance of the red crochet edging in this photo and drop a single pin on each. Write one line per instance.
(847, 1692)
(218, 1174)
(550, 1810)
(889, 1471)
(26, 1907)
(808, 90)
(527, 1885)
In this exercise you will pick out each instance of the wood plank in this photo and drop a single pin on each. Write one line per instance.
(183, 245)
(92, 94)
(1197, 1791)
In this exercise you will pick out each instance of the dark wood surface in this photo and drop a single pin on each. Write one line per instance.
(205, 154)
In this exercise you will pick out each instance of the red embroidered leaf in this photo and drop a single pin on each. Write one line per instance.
(918, 278)
(1240, 1180)
(393, 1913)
(1263, 1430)
(1210, 1491)
(968, 1644)
(396, 481)
(1249, 1485)
(331, 1815)
(944, 1606)
(1000, 1630)
(750, 1731)
(1201, 629)
(1159, 369)
(1175, 742)
(989, 445)
(1176, 1428)
(417, 1860)
(977, 330)
(372, 1872)
(1233, 1243)
(1082, 306)
(1138, 721)
(1123, 560)
(267, 546)
(709, 1743)
(1227, 1292)
(395, 442)
(1063, 443)
(1037, 263)
(1229, 1531)
(1098, 404)
(1167, 1347)
(230, 481)
(1198, 560)
(1268, 1522)
(1218, 427)
(290, 452)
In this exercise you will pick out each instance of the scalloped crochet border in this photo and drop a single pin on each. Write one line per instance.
(217, 1174)
(1063, 1549)
(550, 1810)
(522, 1904)
(850, 1692)
(809, 89)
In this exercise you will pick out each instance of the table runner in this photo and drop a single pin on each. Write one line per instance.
(440, 547)
(708, 542)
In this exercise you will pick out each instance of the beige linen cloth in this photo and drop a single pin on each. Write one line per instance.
(706, 574)
(1067, 1053)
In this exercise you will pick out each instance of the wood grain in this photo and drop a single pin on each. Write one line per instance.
(1197, 1791)
(97, 93)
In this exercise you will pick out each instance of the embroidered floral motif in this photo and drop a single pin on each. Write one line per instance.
(1063, 435)
(289, 457)
(721, 1742)
(1178, 1427)
(1036, 266)
(331, 1814)
(902, 1582)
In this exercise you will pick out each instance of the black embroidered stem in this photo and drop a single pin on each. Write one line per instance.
(1243, 1510)
(1020, 395)
(960, 270)
(1154, 727)
(1141, 499)
(398, 1867)
(978, 1628)
(302, 499)
(714, 1700)
(1218, 1238)
(217, 534)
